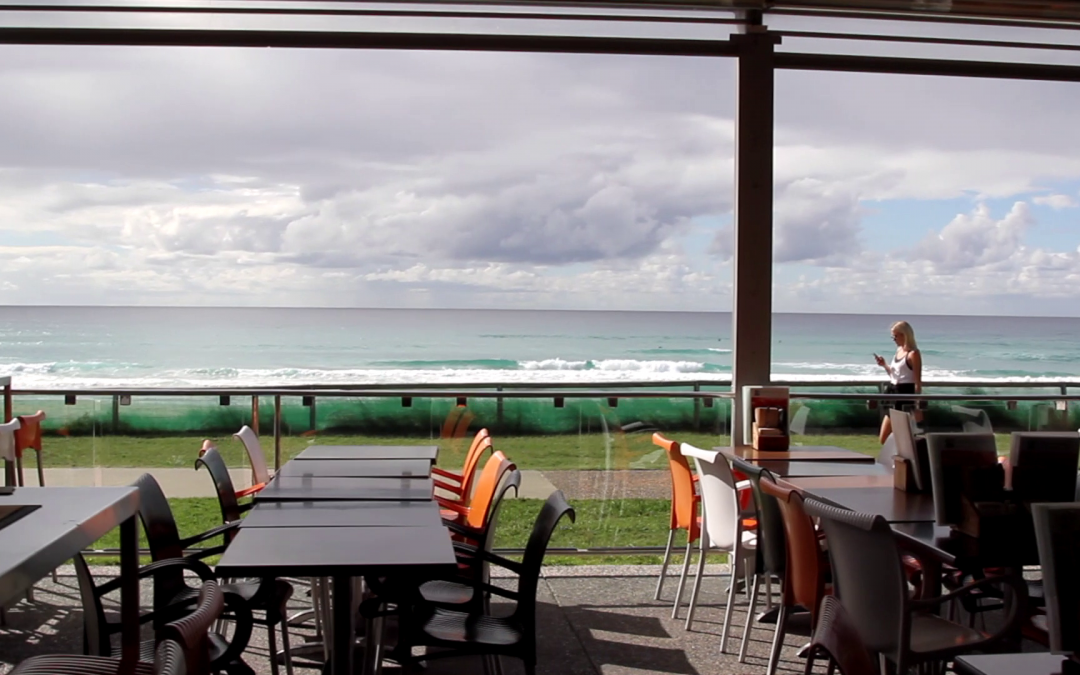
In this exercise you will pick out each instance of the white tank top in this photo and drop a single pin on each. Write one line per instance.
(900, 371)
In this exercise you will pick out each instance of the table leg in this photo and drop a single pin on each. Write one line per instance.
(341, 656)
(129, 594)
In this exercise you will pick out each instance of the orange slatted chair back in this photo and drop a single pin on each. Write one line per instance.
(479, 446)
(684, 499)
(28, 435)
(494, 470)
(806, 562)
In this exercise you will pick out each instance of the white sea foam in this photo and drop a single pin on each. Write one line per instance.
(554, 364)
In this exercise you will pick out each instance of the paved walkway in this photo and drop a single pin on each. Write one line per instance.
(184, 482)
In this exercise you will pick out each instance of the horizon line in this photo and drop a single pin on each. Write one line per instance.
(519, 309)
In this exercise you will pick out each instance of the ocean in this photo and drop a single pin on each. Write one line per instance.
(72, 347)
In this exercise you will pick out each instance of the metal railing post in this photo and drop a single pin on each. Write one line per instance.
(277, 433)
(255, 414)
(116, 413)
(697, 409)
(499, 408)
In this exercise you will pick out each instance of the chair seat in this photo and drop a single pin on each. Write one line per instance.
(443, 592)
(450, 626)
(267, 597)
(77, 664)
(931, 633)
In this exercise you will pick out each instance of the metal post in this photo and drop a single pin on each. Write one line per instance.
(498, 409)
(752, 311)
(115, 414)
(277, 433)
(697, 410)
(10, 478)
(255, 414)
(313, 419)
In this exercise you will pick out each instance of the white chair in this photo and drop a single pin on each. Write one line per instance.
(260, 472)
(723, 527)
(973, 420)
(7, 449)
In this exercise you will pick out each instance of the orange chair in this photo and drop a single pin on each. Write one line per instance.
(28, 437)
(461, 484)
(469, 523)
(685, 505)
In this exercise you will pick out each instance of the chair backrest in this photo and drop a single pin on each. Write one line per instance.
(169, 659)
(226, 491)
(804, 581)
(953, 457)
(511, 480)
(28, 435)
(837, 637)
(490, 478)
(260, 472)
(550, 514)
(868, 576)
(1057, 533)
(683, 504)
(162, 537)
(719, 496)
(7, 439)
(481, 442)
(770, 522)
(905, 443)
(191, 632)
(1043, 465)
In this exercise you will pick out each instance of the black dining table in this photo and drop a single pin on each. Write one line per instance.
(896, 506)
(337, 488)
(359, 468)
(1028, 663)
(801, 469)
(41, 528)
(369, 452)
(310, 530)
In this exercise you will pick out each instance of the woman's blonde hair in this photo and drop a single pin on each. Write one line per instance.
(905, 329)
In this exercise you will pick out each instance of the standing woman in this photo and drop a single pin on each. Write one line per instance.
(905, 372)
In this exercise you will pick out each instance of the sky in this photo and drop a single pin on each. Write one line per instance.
(133, 176)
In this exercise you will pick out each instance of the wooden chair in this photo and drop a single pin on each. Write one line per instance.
(7, 451)
(185, 647)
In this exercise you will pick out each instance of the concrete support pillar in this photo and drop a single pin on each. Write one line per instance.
(752, 311)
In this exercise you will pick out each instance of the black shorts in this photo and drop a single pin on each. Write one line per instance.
(902, 388)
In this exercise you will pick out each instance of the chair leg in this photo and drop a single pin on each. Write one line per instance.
(697, 586)
(749, 618)
(271, 641)
(682, 582)
(663, 566)
(778, 640)
(729, 610)
(768, 592)
(285, 648)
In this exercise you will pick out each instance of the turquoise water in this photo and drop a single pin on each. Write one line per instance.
(47, 347)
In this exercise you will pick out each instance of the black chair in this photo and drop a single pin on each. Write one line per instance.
(1043, 465)
(963, 465)
(771, 546)
(836, 638)
(163, 539)
(473, 564)
(868, 578)
(185, 647)
(270, 596)
(461, 633)
(1057, 533)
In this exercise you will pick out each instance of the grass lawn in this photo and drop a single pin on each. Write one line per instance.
(600, 523)
(568, 451)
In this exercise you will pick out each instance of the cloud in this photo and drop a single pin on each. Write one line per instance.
(976, 239)
(1056, 201)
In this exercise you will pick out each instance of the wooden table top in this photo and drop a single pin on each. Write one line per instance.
(343, 514)
(358, 468)
(364, 452)
(802, 453)
(317, 488)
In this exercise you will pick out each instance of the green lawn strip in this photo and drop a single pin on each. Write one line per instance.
(600, 523)
(568, 451)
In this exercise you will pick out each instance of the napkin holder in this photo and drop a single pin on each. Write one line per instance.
(769, 431)
(904, 474)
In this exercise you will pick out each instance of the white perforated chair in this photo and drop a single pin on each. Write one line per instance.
(723, 528)
(260, 472)
(7, 449)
